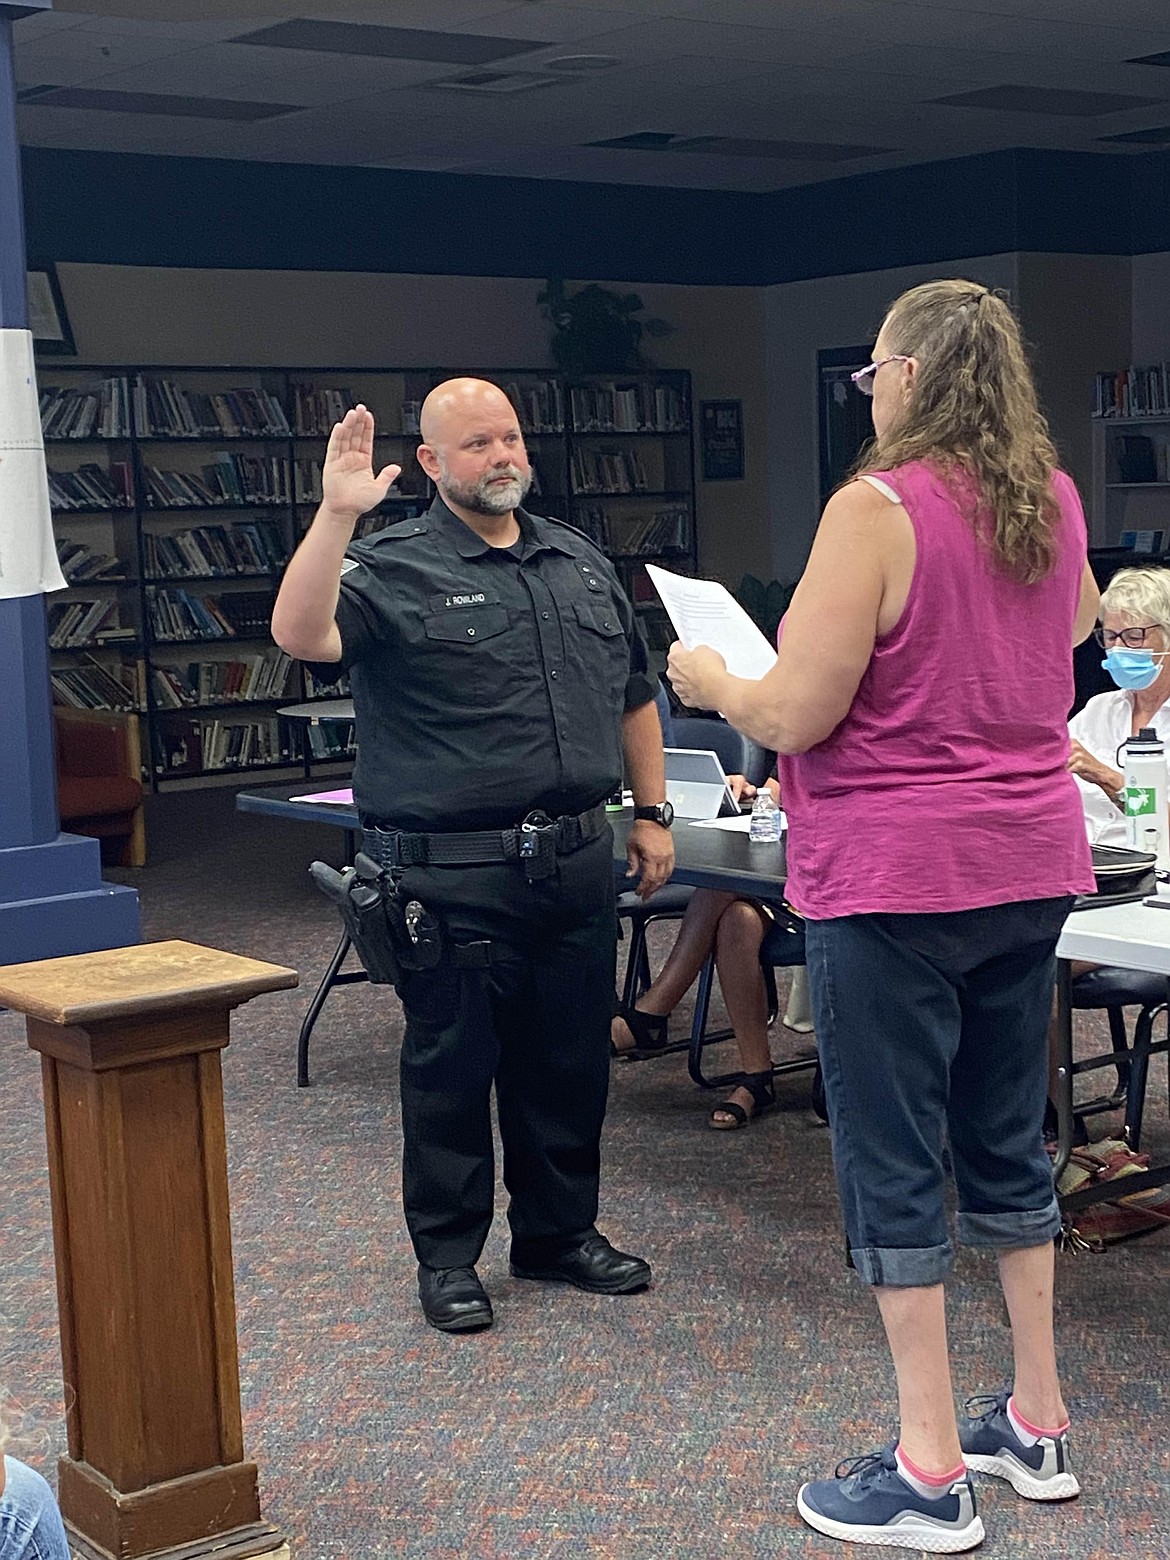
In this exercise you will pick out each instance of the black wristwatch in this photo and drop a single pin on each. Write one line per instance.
(661, 812)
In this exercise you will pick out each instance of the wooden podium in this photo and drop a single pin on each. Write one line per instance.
(130, 1042)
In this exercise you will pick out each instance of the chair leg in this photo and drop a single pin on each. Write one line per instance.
(699, 1023)
(1138, 1070)
(637, 964)
(770, 990)
(1120, 1039)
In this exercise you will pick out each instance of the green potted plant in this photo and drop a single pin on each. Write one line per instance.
(595, 330)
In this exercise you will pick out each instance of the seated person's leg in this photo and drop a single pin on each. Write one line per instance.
(696, 938)
(737, 958)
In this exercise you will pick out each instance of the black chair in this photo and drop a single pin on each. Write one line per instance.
(668, 904)
(1114, 990)
(738, 755)
(782, 948)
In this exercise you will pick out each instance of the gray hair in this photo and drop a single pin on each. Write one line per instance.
(1142, 594)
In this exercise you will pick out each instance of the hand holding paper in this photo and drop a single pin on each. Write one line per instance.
(705, 613)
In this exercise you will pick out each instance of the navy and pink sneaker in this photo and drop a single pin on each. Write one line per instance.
(875, 1500)
(1034, 1462)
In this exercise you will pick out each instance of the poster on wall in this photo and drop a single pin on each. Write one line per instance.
(721, 432)
(47, 319)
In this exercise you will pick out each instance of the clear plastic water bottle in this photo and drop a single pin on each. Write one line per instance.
(765, 821)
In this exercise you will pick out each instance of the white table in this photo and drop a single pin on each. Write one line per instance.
(319, 710)
(1132, 936)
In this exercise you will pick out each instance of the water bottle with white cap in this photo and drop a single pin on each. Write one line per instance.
(1144, 795)
(765, 821)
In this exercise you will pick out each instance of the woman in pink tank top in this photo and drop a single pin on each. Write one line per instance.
(919, 703)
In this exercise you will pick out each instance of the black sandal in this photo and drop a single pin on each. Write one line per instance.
(763, 1092)
(648, 1030)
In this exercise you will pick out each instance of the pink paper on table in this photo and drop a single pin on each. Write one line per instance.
(332, 798)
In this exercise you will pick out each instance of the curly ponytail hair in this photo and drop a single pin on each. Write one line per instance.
(973, 410)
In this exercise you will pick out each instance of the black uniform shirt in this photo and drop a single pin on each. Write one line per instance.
(486, 681)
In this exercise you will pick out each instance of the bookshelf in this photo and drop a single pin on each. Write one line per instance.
(1131, 458)
(179, 494)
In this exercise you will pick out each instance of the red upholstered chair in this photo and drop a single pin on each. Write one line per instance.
(99, 781)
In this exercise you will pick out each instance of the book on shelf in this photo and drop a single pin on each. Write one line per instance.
(97, 411)
(90, 486)
(330, 739)
(637, 406)
(1133, 392)
(608, 471)
(539, 405)
(316, 408)
(226, 481)
(166, 409)
(243, 681)
(634, 535)
(233, 744)
(80, 563)
(307, 488)
(73, 623)
(209, 551)
(92, 686)
(315, 688)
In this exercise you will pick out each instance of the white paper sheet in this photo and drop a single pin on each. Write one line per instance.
(706, 613)
(740, 825)
(28, 557)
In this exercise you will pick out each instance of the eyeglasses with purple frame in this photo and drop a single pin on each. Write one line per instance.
(864, 377)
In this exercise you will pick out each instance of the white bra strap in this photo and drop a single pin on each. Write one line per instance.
(883, 488)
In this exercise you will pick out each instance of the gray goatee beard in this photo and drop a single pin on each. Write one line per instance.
(490, 496)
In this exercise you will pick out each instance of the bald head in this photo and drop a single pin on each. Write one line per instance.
(457, 403)
(473, 449)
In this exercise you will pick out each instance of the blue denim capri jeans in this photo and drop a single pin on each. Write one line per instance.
(934, 1028)
(30, 1523)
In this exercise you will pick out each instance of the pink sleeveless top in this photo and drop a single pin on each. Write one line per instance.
(946, 787)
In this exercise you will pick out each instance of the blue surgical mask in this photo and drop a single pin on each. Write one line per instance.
(1133, 669)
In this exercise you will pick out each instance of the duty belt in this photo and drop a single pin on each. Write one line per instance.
(534, 844)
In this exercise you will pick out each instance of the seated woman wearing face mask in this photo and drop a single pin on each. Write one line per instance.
(1135, 632)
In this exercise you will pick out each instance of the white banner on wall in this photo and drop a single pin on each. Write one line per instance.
(28, 557)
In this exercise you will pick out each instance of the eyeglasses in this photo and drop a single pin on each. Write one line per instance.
(864, 377)
(1131, 638)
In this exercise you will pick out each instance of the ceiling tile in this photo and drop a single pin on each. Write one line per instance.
(396, 43)
(1015, 99)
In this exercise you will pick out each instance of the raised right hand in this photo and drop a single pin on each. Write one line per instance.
(348, 483)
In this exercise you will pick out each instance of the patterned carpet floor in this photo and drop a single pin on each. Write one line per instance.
(676, 1424)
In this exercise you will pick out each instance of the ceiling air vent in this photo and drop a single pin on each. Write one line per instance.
(495, 83)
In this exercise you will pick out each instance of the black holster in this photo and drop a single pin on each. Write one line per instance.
(391, 934)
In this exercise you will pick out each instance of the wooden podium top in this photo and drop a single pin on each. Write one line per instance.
(146, 978)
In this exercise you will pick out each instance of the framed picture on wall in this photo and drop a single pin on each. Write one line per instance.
(47, 319)
(843, 415)
(721, 432)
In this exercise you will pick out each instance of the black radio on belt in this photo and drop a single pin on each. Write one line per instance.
(537, 848)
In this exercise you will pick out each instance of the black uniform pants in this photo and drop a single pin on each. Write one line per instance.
(536, 1024)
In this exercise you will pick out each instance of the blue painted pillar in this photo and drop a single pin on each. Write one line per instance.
(52, 898)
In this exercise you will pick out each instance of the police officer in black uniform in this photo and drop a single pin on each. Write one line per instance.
(497, 677)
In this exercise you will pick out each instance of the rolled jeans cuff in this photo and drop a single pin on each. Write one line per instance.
(910, 1267)
(1010, 1231)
